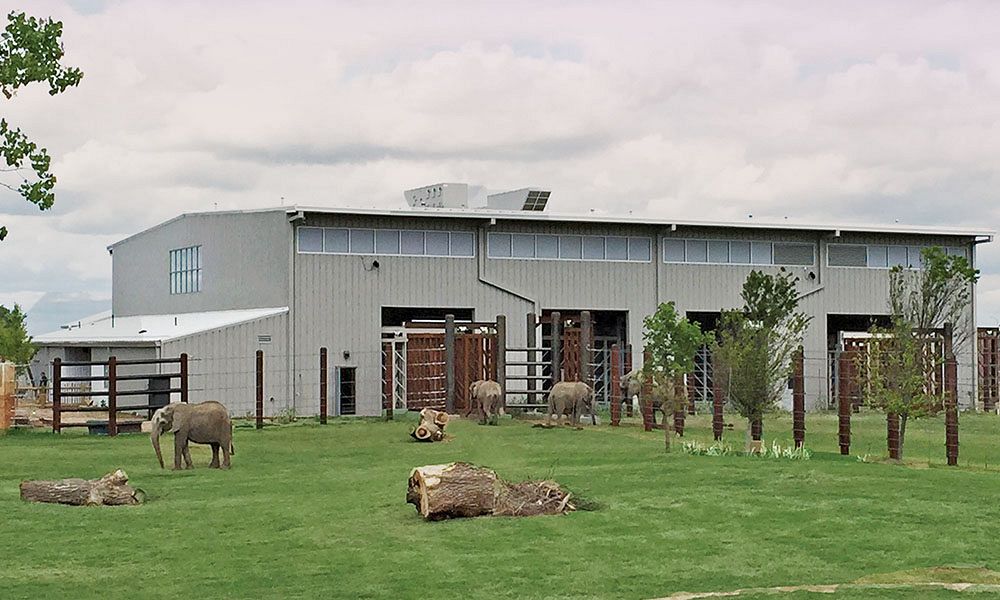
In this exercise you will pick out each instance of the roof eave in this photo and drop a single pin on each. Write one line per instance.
(673, 224)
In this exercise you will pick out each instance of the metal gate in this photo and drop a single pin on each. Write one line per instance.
(988, 346)
(418, 359)
(847, 365)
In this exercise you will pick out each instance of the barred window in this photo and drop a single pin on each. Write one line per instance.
(735, 252)
(386, 242)
(881, 256)
(568, 247)
(185, 270)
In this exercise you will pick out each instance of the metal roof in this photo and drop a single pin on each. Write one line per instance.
(510, 215)
(148, 330)
(599, 218)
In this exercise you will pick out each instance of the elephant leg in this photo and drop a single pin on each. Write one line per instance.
(179, 448)
(215, 456)
(189, 464)
(226, 447)
(482, 414)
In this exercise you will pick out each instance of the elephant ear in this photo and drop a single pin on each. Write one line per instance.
(178, 422)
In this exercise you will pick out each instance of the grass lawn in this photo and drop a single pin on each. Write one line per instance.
(311, 511)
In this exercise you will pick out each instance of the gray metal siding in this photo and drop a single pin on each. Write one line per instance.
(335, 300)
(338, 298)
(244, 264)
(338, 306)
(223, 365)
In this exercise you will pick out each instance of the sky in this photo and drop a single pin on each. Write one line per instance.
(821, 112)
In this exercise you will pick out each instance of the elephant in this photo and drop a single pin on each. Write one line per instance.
(631, 385)
(569, 398)
(203, 423)
(487, 396)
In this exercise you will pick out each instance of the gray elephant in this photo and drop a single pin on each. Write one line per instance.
(487, 396)
(570, 398)
(632, 387)
(204, 423)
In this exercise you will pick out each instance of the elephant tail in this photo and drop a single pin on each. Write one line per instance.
(232, 448)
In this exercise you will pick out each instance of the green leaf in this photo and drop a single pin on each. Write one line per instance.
(30, 52)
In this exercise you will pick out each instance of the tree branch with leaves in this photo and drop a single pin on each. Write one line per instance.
(673, 342)
(756, 344)
(15, 343)
(898, 368)
(30, 52)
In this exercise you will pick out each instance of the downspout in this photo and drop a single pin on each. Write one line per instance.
(822, 396)
(291, 387)
(811, 292)
(657, 257)
(481, 271)
(974, 336)
(820, 257)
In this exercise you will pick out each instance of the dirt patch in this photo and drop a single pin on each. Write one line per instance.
(956, 579)
(936, 575)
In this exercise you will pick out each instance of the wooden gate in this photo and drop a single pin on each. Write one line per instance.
(427, 370)
(475, 359)
(571, 353)
(856, 350)
(988, 346)
(426, 380)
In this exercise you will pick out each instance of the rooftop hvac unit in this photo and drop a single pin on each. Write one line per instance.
(446, 195)
(462, 195)
(529, 199)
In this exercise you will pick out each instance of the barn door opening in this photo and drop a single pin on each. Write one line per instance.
(700, 381)
(610, 327)
(415, 351)
(345, 382)
(846, 332)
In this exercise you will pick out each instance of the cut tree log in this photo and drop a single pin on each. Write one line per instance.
(112, 490)
(431, 426)
(427, 432)
(438, 417)
(465, 490)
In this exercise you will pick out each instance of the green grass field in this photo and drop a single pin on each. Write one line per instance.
(311, 511)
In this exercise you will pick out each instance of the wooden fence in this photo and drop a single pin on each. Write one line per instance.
(112, 392)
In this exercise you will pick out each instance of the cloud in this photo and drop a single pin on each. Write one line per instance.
(711, 110)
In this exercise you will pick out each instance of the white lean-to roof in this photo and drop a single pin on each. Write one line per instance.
(596, 218)
(149, 329)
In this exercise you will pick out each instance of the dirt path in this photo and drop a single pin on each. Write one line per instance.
(838, 587)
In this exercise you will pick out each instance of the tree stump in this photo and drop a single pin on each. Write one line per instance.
(465, 490)
(112, 490)
(452, 490)
(431, 426)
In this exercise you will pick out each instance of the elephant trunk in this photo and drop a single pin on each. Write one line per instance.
(155, 438)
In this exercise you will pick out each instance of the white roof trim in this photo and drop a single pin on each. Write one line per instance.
(511, 215)
(104, 329)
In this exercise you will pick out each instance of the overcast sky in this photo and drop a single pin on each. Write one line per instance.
(821, 112)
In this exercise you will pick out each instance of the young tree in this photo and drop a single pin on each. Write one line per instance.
(938, 292)
(15, 343)
(756, 344)
(30, 51)
(900, 359)
(673, 342)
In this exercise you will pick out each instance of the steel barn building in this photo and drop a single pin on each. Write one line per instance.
(290, 280)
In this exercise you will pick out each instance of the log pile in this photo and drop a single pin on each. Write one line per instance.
(111, 490)
(431, 426)
(465, 490)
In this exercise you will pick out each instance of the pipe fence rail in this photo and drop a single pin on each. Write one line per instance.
(158, 389)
